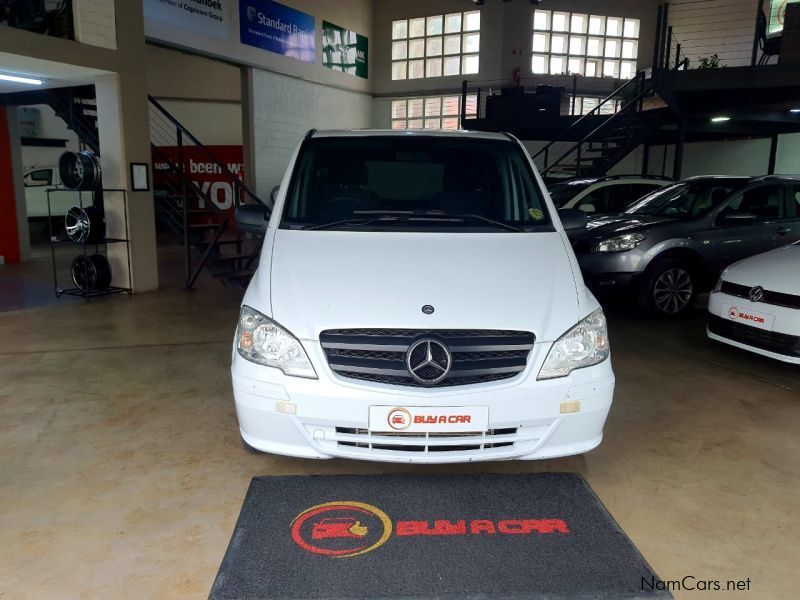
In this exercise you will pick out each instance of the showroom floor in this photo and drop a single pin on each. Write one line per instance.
(122, 471)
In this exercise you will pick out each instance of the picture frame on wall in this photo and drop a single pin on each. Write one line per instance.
(140, 177)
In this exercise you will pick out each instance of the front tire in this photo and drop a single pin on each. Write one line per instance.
(669, 289)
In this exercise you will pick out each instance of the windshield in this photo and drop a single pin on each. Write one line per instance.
(687, 200)
(415, 182)
(562, 193)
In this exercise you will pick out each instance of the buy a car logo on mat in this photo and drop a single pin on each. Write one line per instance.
(346, 529)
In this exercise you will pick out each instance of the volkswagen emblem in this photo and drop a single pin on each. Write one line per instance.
(428, 361)
(756, 294)
(428, 309)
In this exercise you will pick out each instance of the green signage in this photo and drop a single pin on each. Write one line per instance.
(344, 50)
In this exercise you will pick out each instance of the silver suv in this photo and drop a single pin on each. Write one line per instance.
(672, 244)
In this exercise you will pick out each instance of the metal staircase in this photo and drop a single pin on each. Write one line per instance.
(203, 223)
(602, 143)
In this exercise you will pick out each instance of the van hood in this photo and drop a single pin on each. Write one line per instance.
(339, 279)
(771, 270)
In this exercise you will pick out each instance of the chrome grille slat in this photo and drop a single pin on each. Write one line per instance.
(379, 355)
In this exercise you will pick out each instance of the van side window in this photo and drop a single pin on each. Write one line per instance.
(38, 178)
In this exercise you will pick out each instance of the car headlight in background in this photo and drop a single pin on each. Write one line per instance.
(261, 340)
(584, 345)
(621, 243)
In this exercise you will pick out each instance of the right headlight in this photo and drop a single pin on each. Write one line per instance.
(585, 345)
(621, 243)
(718, 285)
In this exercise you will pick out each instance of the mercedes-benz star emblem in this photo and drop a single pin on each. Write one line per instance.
(756, 294)
(428, 361)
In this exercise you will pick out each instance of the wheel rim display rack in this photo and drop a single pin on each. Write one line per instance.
(62, 240)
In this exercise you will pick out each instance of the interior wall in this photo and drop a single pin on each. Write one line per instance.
(51, 127)
(284, 109)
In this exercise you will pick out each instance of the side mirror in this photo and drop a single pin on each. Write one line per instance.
(573, 219)
(734, 219)
(252, 218)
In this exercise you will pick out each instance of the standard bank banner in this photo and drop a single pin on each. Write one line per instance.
(203, 16)
(277, 28)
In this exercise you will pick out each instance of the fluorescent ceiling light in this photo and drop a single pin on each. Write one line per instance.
(18, 79)
(794, 110)
(720, 119)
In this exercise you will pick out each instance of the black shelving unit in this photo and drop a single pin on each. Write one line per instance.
(60, 239)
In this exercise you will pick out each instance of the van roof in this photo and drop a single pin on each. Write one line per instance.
(481, 135)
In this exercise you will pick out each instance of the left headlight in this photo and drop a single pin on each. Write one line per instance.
(261, 340)
(584, 345)
(718, 285)
(621, 243)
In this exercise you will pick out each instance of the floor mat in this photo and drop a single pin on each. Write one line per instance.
(398, 536)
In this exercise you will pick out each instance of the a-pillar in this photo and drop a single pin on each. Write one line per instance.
(124, 131)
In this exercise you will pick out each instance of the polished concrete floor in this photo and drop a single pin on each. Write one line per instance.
(121, 471)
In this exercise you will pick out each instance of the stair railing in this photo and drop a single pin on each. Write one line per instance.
(636, 82)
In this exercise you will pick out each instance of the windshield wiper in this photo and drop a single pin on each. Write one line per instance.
(437, 215)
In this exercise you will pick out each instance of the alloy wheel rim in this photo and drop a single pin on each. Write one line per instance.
(673, 290)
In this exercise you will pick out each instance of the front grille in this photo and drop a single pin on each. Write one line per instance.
(772, 341)
(379, 355)
(770, 297)
(432, 442)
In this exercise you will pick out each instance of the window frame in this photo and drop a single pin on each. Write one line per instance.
(425, 116)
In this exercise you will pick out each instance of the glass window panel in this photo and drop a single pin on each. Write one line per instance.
(415, 107)
(541, 42)
(472, 42)
(452, 23)
(472, 20)
(416, 27)
(399, 109)
(452, 65)
(558, 44)
(541, 20)
(630, 49)
(399, 29)
(416, 69)
(416, 48)
(470, 64)
(577, 44)
(433, 67)
(435, 25)
(607, 109)
(628, 70)
(575, 66)
(415, 124)
(594, 47)
(450, 105)
(612, 48)
(433, 123)
(399, 124)
(560, 21)
(614, 26)
(539, 64)
(589, 104)
(472, 105)
(434, 46)
(592, 68)
(433, 106)
(578, 23)
(558, 65)
(399, 50)
(611, 68)
(399, 70)
(597, 25)
(452, 44)
(450, 123)
(631, 28)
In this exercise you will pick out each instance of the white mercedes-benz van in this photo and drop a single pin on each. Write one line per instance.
(417, 300)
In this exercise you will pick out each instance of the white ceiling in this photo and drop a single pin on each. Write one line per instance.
(55, 74)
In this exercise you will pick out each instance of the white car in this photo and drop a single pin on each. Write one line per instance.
(417, 300)
(605, 195)
(756, 305)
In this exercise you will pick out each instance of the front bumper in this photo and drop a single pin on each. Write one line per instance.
(328, 417)
(611, 271)
(781, 341)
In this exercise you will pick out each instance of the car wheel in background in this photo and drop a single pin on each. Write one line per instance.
(669, 288)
